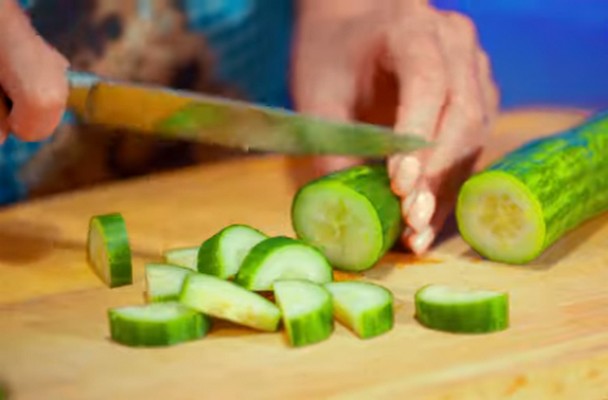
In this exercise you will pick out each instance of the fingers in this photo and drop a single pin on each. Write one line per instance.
(459, 137)
(33, 75)
(420, 67)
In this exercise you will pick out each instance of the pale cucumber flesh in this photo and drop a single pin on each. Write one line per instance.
(352, 216)
(306, 310)
(186, 257)
(222, 254)
(282, 258)
(108, 250)
(226, 300)
(364, 307)
(164, 281)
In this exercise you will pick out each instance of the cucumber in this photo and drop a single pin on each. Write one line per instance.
(156, 324)
(461, 310)
(108, 249)
(186, 257)
(306, 310)
(222, 254)
(351, 215)
(365, 308)
(164, 281)
(226, 300)
(518, 207)
(284, 258)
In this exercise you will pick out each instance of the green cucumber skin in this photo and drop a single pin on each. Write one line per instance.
(372, 182)
(154, 334)
(209, 261)
(258, 253)
(118, 248)
(171, 297)
(493, 318)
(567, 173)
(324, 324)
(378, 323)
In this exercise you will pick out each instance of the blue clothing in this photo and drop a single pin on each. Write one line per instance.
(546, 52)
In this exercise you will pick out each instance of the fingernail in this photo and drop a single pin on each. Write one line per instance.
(408, 173)
(421, 241)
(421, 211)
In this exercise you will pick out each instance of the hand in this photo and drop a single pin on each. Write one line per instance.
(445, 92)
(33, 76)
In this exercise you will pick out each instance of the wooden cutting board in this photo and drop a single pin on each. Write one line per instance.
(54, 333)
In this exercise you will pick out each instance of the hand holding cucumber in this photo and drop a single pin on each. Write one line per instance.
(446, 93)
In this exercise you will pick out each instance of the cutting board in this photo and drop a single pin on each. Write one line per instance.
(54, 335)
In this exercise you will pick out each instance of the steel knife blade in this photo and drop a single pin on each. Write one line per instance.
(237, 124)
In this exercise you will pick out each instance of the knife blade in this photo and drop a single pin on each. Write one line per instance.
(192, 116)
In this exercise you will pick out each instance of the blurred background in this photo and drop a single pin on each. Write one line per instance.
(544, 52)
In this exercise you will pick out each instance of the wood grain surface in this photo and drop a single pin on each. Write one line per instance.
(54, 334)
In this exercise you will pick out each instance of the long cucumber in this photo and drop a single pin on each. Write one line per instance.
(523, 203)
(352, 216)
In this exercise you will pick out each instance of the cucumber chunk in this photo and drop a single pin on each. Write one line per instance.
(462, 310)
(222, 254)
(108, 249)
(365, 308)
(164, 281)
(227, 300)
(306, 309)
(352, 216)
(282, 258)
(523, 203)
(156, 324)
(186, 257)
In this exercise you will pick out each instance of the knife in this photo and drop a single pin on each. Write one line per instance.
(192, 116)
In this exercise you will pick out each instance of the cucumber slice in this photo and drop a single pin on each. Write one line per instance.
(365, 308)
(222, 254)
(156, 324)
(108, 249)
(306, 309)
(282, 258)
(352, 216)
(515, 209)
(462, 310)
(227, 300)
(186, 257)
(164, 281)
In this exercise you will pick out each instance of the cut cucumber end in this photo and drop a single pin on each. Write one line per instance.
(365, 308)
(164, 281)
(341, 222)
(186, 257)
(108, 250)
(462, 310)
(500, 218)
(222, 254)
(156, 324)
(227, 300)
(282, 258)
(306, 310)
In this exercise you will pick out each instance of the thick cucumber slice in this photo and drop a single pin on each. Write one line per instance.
(226, 300)
(462, 310)
(306, 309)
(156, 324)
(108, 249)
(351, 215)
(222, 254)
(186, 257)
(522, 204)
(164, 281)
(282, 258)
(365, 308)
